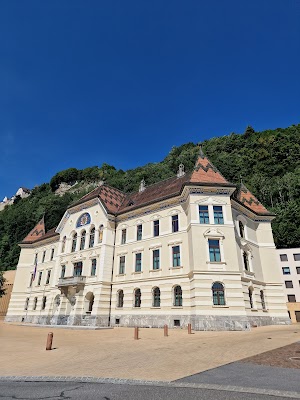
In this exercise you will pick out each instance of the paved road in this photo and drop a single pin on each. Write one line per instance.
(249, 375)
(109, 391)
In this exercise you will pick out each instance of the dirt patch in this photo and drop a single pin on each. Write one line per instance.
(286, 357)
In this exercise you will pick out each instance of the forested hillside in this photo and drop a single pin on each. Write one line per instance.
(268, 163)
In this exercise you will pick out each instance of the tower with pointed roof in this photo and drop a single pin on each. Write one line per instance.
(190, 249)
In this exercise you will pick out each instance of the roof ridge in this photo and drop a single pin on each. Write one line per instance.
(159, 182)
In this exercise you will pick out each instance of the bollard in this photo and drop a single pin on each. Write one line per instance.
(189, 329)
(49, 341)
(136, 333)
(165, 330)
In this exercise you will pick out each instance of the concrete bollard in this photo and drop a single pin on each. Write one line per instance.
(49, 341)
(166, 330)
(136, 333)
(189, 329)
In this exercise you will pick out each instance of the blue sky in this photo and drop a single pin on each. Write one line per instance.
(86, 82)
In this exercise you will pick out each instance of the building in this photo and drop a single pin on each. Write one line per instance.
(21, 192)
(190, 249)
(8, 285)
(289, 267)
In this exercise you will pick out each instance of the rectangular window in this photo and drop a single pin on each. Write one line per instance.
(175, 223)
(156, 261)
(63, 271)
(44, 255)
(94, 267)
(156, 228)
(176, 256)
(218, 215)
(77, 269)
(123, 238)
(283, 257)
(35, 259)
(31, 280)
(214, 250)
(138, 262)
(203, 215)
(291, 298)
(286, 270)
(48, 277)
(40, 278)
(52, 254)
(296, 257)
(139, 232)
(298, 270)
(122, 265)
(289, 284)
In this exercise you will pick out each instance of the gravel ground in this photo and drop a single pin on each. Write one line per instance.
(285, 357)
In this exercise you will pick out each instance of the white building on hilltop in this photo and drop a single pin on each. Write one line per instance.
(189, 249)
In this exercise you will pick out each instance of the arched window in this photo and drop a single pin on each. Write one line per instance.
(100, 233)
(137, 298)
(26, 304)
(177, 296)
(44, 302)
(34, 303)
(92, 238)
(82, 240)
(262, 299)
(74, 241)
(63, 247)
(120, 298)
(156, 297)
(218, 294)
(246, 261)
(250, 292)
(241, 229)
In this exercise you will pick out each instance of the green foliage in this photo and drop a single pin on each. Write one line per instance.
(2, 281)
(267, 161)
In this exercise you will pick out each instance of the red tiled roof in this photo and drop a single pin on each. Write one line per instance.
(206, 172)
(116, 201)
(156, 192)
(37, 232)
(111, 198)
(245, 197)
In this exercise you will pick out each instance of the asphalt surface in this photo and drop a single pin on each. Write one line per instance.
(109, 391)
(249, 375)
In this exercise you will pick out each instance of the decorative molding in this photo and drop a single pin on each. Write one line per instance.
(214, 232)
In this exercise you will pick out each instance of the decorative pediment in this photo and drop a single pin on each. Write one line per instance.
(93, 254)
(77, 257)
(174, 212)
(211, 201)
(214, 232)
(155, 217)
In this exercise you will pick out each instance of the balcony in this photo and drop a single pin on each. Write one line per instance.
(71, 281)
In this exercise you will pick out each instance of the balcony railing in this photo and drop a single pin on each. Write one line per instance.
(71, 281)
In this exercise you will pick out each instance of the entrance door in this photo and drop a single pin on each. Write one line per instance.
(297, 316)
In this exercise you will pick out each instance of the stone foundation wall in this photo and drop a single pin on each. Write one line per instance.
(199, 323)
(70, 320)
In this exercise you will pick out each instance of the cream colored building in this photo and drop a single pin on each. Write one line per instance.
(190, 249)
(289, 269)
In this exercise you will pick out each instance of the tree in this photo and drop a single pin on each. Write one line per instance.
(249, 131)
(2, 281)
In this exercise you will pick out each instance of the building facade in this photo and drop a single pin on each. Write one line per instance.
(289, 267)
(190, 249)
